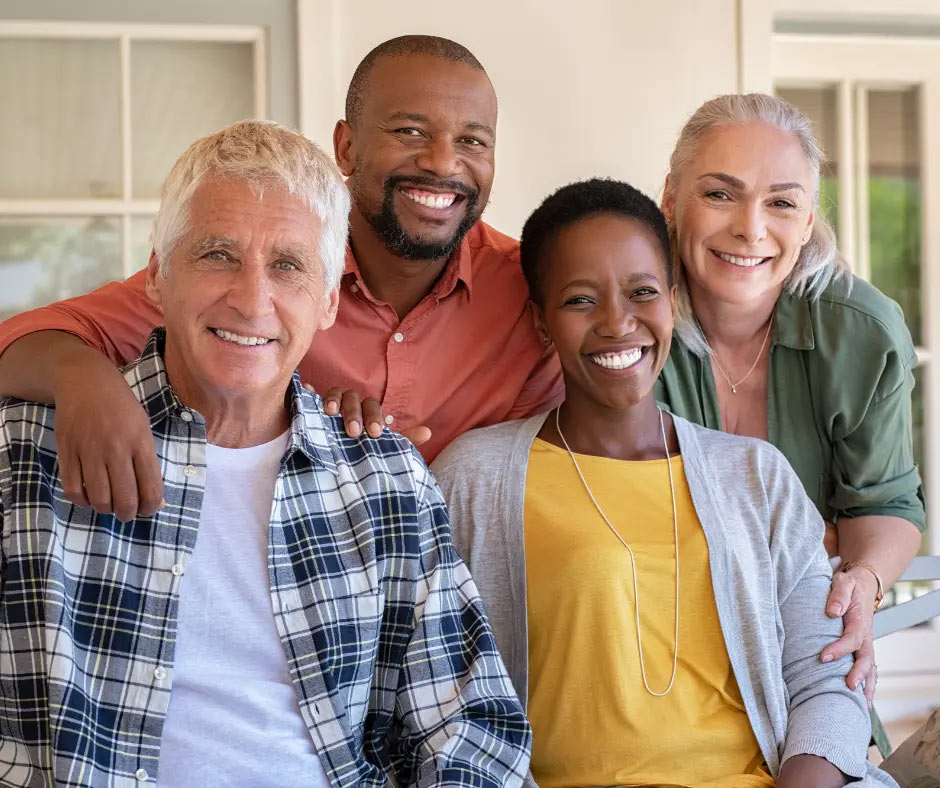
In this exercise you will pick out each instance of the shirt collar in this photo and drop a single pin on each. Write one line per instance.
(310, 431)
(794, 325)
(459, 269)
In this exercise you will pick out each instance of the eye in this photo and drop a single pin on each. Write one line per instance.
(217, 255)
(783, 204)
(579, 300)
(473, 142)
(645, 293)
(718, 195)
(408, 131)
(285, 265)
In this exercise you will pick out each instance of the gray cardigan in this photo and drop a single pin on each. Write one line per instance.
(769, 570)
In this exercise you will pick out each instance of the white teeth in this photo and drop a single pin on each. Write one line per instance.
(431, 200)
(743, 262)
(228, 336)
(621, 360)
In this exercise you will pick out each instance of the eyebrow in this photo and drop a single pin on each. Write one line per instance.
(638, 277)
(210, 243)
(737, 183)
(415, 117)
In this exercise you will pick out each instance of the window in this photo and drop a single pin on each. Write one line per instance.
(95, 114)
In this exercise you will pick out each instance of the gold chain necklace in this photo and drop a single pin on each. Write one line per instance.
(636, 592)
(734, 386)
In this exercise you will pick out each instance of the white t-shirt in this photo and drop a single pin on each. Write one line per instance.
(233, 718)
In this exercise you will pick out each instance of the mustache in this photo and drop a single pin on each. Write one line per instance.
(439, 184)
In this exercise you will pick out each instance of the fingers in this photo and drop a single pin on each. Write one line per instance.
(864, 669)
(331, 402)
(309, 387)
(149, 482)
(417, 435)
(840, 596)
(372, 416)
(70, 471)
(856, 628)
(123, 484)
(97, 486)
(352, 413)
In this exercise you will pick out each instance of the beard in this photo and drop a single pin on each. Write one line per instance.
(399, 242)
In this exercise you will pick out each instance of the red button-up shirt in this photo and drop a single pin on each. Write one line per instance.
(466, 356)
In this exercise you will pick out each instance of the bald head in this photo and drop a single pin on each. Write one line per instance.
(403, 46)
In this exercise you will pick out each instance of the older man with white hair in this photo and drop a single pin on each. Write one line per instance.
(295, 614)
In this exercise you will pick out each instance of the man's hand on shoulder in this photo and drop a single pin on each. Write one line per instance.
(107, 458)
(368, 411)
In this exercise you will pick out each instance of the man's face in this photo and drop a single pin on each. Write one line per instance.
(420, 159)
(244, 294)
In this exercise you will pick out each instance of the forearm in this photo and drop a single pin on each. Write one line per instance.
(810, 771)
(888, 544)
(36, 365)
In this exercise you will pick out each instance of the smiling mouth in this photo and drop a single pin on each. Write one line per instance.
(238, 339)
(621, 360)
(740, 262)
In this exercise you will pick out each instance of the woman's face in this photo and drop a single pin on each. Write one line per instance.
(607, 306)
(742, 211)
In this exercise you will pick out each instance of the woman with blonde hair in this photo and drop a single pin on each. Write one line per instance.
(776, 339)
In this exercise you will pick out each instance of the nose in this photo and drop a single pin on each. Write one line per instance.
(439, 157)
(616, 320)
(249, 293)
(749, 222)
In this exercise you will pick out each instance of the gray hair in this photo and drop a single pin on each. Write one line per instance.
(263, 154)
(819, 263)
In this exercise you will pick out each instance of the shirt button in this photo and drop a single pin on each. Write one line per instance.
(141, 775)
(189, 470)
(389, 418)
(354, 288)
(177, 569)
(186, 416)
(398, 336)
(159, 673)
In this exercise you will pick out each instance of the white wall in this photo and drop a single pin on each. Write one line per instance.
(598, 87)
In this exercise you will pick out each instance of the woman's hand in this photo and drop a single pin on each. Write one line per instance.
(853, 597)
(368, 411)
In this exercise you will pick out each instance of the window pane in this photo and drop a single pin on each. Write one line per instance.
(894, 199)
(182, 91)
(140, 241)
(820, 105)
(46, 259)
(61, 131)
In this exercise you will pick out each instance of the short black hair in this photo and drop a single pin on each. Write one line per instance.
(433, 46)
(577, 201)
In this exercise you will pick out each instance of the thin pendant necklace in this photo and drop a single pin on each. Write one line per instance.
(636, 592)
(734, 386)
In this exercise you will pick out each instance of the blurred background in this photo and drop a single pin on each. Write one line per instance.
(99, 97)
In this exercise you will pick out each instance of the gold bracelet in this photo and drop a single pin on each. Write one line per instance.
(880, 593)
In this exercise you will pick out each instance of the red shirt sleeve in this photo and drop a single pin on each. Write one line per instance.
(115, 319)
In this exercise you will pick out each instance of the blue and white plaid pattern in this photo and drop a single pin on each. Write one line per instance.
(394, 665)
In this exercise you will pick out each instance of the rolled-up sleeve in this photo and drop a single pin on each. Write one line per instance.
(873, 454)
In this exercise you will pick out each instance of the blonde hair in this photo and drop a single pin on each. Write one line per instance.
(819, 263)
(263, 154)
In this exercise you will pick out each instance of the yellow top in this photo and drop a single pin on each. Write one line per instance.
(594, 723)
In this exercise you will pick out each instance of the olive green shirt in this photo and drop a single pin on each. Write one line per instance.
(838, 400)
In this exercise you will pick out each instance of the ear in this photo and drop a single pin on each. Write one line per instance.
(343, 148)
(668, 204)
(154, 280)
(538, 320)
(329, 316)
(808, 233)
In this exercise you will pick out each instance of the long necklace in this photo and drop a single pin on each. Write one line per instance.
(636, 592)
(734, 386)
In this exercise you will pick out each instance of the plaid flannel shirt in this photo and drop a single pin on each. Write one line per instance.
(394, 665)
